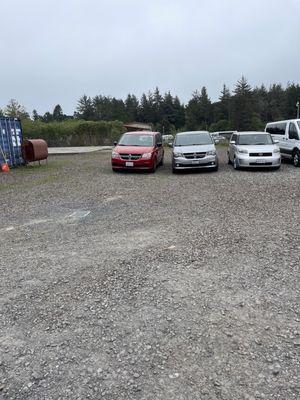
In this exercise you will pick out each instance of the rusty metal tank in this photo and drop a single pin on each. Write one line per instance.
(34, 150)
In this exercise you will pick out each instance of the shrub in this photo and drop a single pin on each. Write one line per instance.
(74, 132)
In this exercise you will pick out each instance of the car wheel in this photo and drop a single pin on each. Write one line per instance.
(235, 163)
(296, 158)
(153, 169)
(229, 162)
(216, 168)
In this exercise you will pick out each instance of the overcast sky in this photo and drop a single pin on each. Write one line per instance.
(54, 51)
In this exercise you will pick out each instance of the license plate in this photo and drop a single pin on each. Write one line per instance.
(129, 164)
(195, 161)
(260, 161)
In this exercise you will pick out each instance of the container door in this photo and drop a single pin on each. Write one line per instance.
(5, 142)
(16, 140)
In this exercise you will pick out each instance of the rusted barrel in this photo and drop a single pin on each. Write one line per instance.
(34, 150)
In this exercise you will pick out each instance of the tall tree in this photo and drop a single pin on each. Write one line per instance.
(242, 105)
(292, 96)
(85, 109)
(131, 107)
(276, 103)
(35, 115)
(199, 110)
(16, 110)
(58, 114)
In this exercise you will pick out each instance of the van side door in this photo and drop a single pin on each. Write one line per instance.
(293, 138)
(280, 133)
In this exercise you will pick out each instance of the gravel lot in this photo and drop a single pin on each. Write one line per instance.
(149, 286)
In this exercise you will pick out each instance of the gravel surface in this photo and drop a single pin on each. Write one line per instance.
(149, 286)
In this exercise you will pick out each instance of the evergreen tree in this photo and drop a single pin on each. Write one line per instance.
(276, 103)
(145, 109)
(242, 105)
(35, 115)
(58, 114)
(16, 110)
(131, 107)
(199, 111)
(292, 95)
(225, 104)
(47, 117)
(260, 102)
(85, 109)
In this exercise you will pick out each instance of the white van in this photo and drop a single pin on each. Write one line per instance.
(288, 135)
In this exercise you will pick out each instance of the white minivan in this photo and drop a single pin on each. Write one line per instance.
(288, 135)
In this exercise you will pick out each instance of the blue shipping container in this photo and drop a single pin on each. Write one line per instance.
(11, 141)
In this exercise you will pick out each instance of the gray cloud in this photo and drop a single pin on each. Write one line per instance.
(55, 51)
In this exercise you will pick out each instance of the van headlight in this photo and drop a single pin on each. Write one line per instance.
(147, 156)
(211, 153)
(276, 151)
(114, 154)
(178, 154)
(242, 151)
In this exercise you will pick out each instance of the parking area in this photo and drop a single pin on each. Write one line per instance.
(149, 286)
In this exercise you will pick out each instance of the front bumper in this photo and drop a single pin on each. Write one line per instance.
(199, 163)
(118, 163)
(258, 162)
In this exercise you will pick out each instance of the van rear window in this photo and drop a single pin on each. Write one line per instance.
(276, 129)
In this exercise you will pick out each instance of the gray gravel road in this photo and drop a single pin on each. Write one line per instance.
(149, 286)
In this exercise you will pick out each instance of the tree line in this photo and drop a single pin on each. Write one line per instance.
(245, 108)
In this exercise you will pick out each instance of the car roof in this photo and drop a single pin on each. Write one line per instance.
(286, 120)
(141, 132)
(252, 133)
(190, 132)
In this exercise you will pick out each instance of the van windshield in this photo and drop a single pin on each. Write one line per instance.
(191, 139)
(136, 140)
(253, 139)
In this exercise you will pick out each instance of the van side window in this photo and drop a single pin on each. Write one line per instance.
(293, 134)
(276, 129)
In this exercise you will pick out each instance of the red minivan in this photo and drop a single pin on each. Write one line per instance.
(138, 150)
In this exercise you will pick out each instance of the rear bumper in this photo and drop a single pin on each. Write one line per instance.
(205, 163)
(259, 162)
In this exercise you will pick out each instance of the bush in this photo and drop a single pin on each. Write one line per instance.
(74, 132)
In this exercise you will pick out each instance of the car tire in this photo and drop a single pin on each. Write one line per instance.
(115, 170)
(296, 158)
(216, 168)
(235, 164)
(153, 169)
(228, 161)
(174, 171)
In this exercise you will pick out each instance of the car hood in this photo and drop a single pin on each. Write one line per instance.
(262, 148)
(132, 149)
(194, 149)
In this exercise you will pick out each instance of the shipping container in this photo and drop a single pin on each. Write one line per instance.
(11, 141)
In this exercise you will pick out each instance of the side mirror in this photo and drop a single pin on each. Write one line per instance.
(232, 142)
(115, 143)
(217, 141)
(276, 141)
